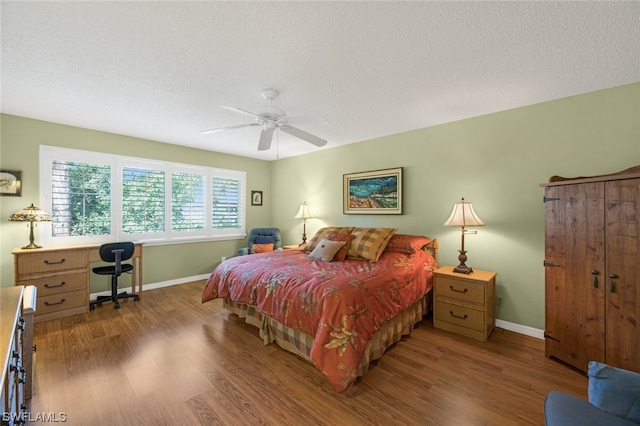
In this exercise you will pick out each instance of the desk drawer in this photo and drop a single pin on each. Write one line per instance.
(464, 290)
(61, 302)
(60, 283)
(459, 315)
(52, 261)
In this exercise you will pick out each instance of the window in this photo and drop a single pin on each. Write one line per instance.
(97, 197)
(143, 201)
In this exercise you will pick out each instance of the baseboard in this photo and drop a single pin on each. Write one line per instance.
(152, 286)
(521, 329)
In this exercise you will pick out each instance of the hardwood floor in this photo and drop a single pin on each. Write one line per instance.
(170, 360)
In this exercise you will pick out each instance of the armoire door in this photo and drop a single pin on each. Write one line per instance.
(574, 273)
(623, 274)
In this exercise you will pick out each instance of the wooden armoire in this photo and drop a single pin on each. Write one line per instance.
(592, 269)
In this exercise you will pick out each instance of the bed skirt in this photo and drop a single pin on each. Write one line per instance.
(300, 343)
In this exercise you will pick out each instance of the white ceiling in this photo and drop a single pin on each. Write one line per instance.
(161, 70)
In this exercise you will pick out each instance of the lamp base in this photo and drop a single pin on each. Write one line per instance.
(463, 269)
(32, 246)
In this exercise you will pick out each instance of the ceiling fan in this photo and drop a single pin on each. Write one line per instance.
(272, 117)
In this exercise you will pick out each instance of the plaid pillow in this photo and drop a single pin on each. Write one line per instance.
(369, 243)
(324, 233)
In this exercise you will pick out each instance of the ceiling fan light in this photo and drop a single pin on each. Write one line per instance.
(270, 111)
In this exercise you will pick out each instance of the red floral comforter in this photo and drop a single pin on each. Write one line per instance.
(340, 304)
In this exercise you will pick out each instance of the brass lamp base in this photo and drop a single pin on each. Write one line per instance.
(32, 246)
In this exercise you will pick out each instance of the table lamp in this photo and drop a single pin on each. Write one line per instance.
(463, 215)
(303, 213)
(31, 214)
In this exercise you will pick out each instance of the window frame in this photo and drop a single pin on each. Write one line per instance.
(117, 164)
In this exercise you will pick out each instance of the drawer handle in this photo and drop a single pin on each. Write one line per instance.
(55, 286)
(458, 291)
(53, 304)
(54, 263)
(457, 316)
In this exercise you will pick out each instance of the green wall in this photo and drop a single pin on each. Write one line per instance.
(19, 147)
(496, 161)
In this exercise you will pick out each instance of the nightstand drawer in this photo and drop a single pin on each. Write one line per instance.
(465, 303)
(459, 315)
(464, 290)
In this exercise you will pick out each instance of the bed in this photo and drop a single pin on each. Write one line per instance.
(340, 311)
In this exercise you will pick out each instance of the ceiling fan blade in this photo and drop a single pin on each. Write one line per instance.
(265, 138)
(220, 129)
(294, 131)
(317, 119)
(241, 111)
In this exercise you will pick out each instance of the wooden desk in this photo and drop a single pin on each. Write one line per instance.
(62, 275)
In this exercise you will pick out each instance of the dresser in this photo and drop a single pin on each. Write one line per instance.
(465, 304)
(14, 375)
(62, 275)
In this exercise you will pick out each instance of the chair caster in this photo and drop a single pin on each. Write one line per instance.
(136, 298)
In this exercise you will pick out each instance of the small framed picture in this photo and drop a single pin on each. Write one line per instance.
(256, 198)
(10, 183)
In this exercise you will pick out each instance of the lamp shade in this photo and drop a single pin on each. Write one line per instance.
(463, 215)
(303, 212)
(31, 214)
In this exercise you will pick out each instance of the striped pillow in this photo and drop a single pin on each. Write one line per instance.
(369, 243)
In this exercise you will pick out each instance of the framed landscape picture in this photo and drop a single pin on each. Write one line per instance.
(375, 192)
(10, 183)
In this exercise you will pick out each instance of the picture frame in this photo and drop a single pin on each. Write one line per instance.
(256, 198)
(10, 183)
(374, 192)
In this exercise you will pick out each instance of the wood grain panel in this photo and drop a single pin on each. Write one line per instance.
(623, 262)
(574, 248)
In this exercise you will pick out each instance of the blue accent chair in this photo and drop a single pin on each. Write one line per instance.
(262, 236)
(614, 399)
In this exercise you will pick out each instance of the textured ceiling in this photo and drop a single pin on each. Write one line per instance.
(161, 70)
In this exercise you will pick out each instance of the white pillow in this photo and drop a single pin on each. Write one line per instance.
(325, 250)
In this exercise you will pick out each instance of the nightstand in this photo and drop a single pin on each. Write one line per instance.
(465, 304)
(294, 247)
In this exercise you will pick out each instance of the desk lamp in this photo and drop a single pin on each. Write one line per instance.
(31, 214)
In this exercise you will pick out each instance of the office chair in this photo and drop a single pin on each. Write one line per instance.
(114, 253)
